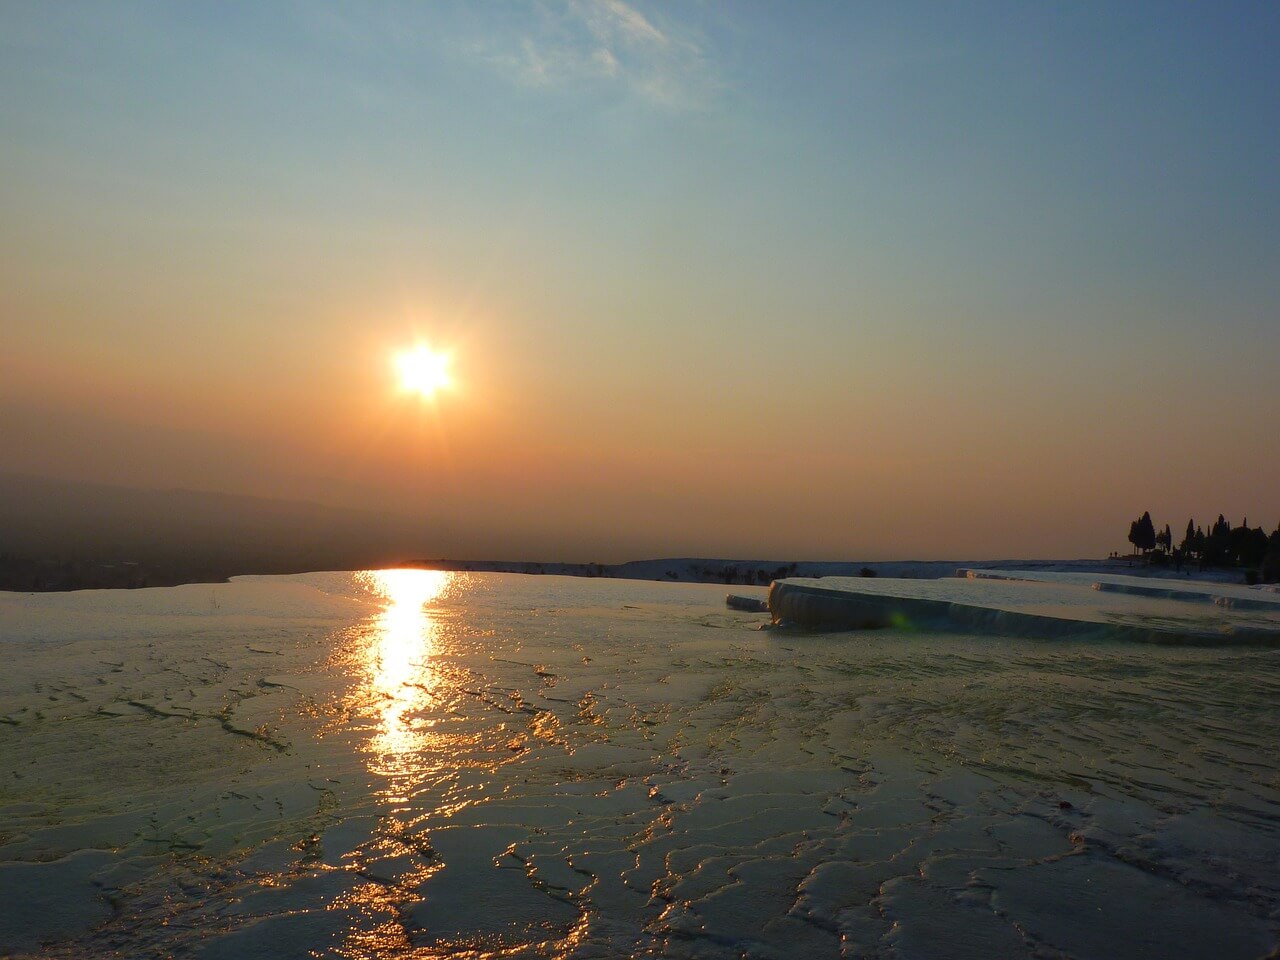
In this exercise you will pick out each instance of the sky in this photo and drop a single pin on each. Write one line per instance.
(820, 280)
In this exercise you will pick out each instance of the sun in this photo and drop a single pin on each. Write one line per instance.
(423, 371)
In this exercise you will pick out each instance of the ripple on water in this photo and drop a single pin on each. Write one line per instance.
(541, 767)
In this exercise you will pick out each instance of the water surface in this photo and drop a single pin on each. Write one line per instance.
(414, 763)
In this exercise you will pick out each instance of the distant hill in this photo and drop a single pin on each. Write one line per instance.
(181, 535)
(763, 572)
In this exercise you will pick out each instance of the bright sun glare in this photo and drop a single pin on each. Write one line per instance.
(423, 371)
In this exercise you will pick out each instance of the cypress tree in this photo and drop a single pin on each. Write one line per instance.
(1146, 532)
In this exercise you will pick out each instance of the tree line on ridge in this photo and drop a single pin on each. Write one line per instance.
(1250, 549)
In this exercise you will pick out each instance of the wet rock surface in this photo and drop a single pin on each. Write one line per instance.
(420, 764)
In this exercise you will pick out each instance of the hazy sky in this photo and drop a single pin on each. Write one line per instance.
(832, 280)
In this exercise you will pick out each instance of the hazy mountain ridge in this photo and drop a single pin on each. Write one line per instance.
(763, 572)
(181, 535)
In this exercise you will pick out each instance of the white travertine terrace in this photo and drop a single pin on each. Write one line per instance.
(428, 764)
(1050, 605)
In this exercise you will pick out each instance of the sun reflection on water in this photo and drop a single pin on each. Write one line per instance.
(432, 724)
(413, 673)
(398, 666)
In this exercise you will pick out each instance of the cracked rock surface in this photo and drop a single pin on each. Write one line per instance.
(427, 764)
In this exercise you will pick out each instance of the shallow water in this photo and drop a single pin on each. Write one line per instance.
(422, 764)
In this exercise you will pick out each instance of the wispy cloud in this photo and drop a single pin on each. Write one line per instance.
(606, 41)
(610, 19)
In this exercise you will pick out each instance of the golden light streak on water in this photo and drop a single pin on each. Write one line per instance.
(413, 697)
(400, 673)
